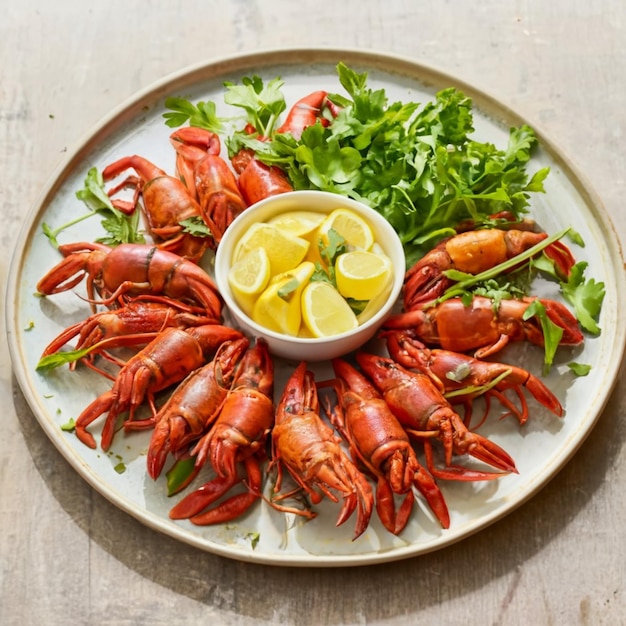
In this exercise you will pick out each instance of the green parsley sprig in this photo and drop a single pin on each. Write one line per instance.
(119, 227)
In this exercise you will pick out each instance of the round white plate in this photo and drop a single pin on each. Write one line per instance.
(540, 448)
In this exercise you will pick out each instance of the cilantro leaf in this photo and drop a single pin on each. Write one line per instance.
(120, 228)
(196, 227)
(586, 296)
(201, 115)
(551, 332)
(262, 103)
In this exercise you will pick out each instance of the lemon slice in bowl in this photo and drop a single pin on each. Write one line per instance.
(355, 230)
(298, 223)
(283, 250)
(248, 277)
(279, 307)
(325, 312)
(376, 303)
(362, 275)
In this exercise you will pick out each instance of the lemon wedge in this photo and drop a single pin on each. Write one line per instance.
(248, 277)
(361, 275)
(325, 312)
(283, 250)
(355, 230)
(299, 223)
(279, 307)
(375, 304)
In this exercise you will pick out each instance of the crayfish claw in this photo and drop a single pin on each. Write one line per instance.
(193, 503)
(227, 511)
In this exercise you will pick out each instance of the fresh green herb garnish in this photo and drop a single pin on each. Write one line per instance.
(120, 228)
(52, 361)
(580, 369)
(201, 115)
(472, 389)
(288, 288)
(180, 474)
(69, 426)
(120, 467)
(254, 539)
(195, 226)
(551, 332)
(585, 296)
(262, 103)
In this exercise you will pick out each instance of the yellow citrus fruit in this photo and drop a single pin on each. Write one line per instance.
(248, 277)
(299, 223)
(374, 305)
(361, 275)
(355, 230)
(279, 307)
(324, 311)
(283, 250)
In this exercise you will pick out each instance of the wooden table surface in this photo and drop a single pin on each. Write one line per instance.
(68, 556)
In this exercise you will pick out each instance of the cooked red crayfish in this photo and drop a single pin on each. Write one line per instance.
(194, 405)
(192, 146)
(455, 372)
(377, 439)
(474, 252)
(131, 269)
(256, 179)
(208, 177)
(423, 411)
(483, 325)
(166, 203)
(311, 452)
(306, 112)
(237, 436)
(139, 316)
(166, 360)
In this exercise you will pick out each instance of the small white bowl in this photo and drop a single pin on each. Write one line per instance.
(300, 348)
